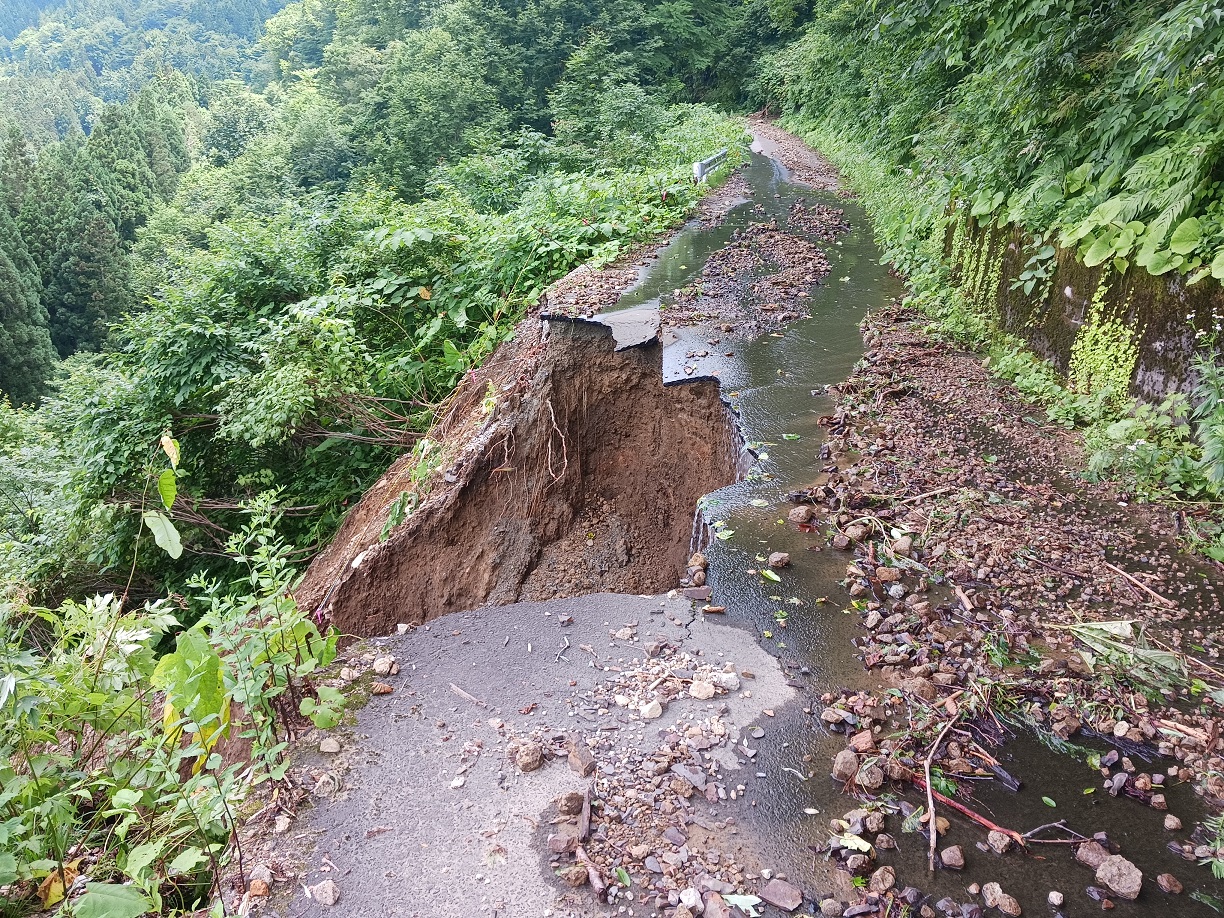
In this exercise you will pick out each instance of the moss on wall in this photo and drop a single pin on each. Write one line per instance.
(1096, 326)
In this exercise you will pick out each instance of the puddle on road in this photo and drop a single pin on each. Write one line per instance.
(776, 383)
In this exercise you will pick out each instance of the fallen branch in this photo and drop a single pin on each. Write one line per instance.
(1168, 603)
(965, 811)
(593, 875)
(964, 598)
(926, 768)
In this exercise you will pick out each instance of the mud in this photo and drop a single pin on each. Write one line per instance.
(547, 487)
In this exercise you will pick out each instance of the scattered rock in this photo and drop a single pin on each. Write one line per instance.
(801, 514)
(1158, 802)
(381, 688)
(581, 759)
(783, 895)
(999, 842)
(1055, 899)
(1169, 883)
(882, 880)
(953, 857)
(862, 741)
(326, 893)
(575, 875)
(1091, 854)
(530, 757)
(1008, 905)
(652, 710)
(570, 804)
(383, 665)
(703, 691)
(991, 892)
(259, 888)
(845, 765)
(1172, 823)
(1120, 875)
(779, 559)
(871, 778)
(691, 899)
(330, 745)
(715, 907)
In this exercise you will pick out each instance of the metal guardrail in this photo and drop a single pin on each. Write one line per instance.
(706, 166)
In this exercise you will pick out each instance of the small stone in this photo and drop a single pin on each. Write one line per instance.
(1172, 823)
(882, 880)
(783, 895)
(845, 765)
(779, 559)
(702, 691)
(999, 842)
(991, 892)
(1121, 876)
(1055, 899)
(923, 688)
(1008, 905)
(903, 546)
(1091, 854)
(885, 842)
(382, 665)
(570, 804)
(282, 825)
(871, 778)
(862, 741)
(715, 907)
(953, 857)
(830, 908)
(259, 888)
(581, 760)
(530, 757)
(652, 710)
(329, 745)
(562, 844)
(261, 872)
(1169, 883)
(381, 688)
(801, 514)
(858, 863)
(575, 875)
(326, 893)
(691, 899)
(1158, 802)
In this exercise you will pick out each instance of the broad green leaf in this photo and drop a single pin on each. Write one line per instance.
(1217, 265)
(167, 487)
(1048, 802)
(770, 575)
(140, 857)
(1101, 249)
(1186, 237)
(789, 436)
(187, 861)
(622, 876)
(109, 900)
(164, 533)
(8, 869)
(724, 534)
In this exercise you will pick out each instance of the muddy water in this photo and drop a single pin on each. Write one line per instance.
(776, 385)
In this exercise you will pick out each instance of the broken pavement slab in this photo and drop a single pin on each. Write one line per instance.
(484, 845)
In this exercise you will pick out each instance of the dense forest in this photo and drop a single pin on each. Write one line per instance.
(247, 248)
